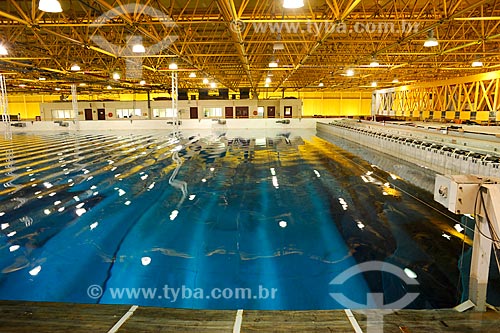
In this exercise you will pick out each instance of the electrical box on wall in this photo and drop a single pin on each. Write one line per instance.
(459, 193)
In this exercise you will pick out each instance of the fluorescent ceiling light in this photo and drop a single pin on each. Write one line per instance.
(213, 85)
(205, 81)
(268, 80)
(291, 4)
(173, 66)
(142, 82)
(374, 84)
(75, 67)
(477, 63)
(42, 79)
(321, 84)
(109, 87)
(138, 48)
(50, 6)
(278, 46)
(116, 76)
(3, 50)
(395, 81)
(273, 64)
(374, 63)
(349, 72)
(192, 74)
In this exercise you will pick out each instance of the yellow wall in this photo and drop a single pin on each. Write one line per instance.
(28, 106)
(336, 104)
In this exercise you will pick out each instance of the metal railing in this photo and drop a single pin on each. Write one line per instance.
(4, 109)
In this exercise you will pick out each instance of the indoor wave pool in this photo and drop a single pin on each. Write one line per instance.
(216, 221)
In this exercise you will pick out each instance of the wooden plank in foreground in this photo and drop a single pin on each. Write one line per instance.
(146, 319)
(295, 321)
(41, 317)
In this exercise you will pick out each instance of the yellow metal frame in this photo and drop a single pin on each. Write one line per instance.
(472, 97)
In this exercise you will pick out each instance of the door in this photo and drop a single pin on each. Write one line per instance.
(193, 112)
(229, 112)
(242, 112)
(288, 112)
(88, 114)
(101, 114)
(271, 111)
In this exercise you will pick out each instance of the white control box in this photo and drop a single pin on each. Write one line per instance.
(458, 193)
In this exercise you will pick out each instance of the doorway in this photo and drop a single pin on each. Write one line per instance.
(101, 114)
(193, 112)
(88, 114)
(288, 112)
(229, 112)
(271, 111)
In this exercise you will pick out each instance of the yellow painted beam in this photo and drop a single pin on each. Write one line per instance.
(457, 80)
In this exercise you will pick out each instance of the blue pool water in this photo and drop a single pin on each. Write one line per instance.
(94, 217)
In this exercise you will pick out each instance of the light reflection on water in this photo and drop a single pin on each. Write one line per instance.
(280, 210)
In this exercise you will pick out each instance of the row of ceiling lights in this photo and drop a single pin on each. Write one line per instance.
(54, 6)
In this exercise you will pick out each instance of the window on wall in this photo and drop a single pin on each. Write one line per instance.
(61, 114)
(260, 111)
(164, 113)
(128, 113)
(212, 112)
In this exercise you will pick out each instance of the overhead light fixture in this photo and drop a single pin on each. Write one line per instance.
(213, 85)
(22, 85)
(477, 63)
(205, 81)
(50, 6)
(142, 82)
(293, 4)
(321, 84)
(192, 74)
(83, 84)
(349, 72)
(431, 41)
(173, 66)
(116, 76)
(75, 67)
(57, 89)
(109, 87)
(266, 85)
(278, 46)
(395, 81)
(374, 84)
(3, 50)
(269, 73)
(374, 63)
(268, 80)
(42, 79)
(273, 63)
(138, 48)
